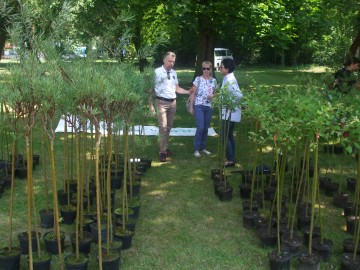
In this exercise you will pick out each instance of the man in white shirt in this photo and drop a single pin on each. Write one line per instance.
(166, 87)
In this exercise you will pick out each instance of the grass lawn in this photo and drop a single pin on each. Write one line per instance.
(182, 224)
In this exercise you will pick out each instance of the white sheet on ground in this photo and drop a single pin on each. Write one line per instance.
(139, 130)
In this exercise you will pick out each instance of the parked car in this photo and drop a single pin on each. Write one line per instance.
(220, 54)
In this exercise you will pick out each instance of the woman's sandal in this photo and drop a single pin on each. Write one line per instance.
(229, 164)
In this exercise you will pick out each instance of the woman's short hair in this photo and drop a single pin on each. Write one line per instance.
(351, 60)
(228, 64)
(169, 53)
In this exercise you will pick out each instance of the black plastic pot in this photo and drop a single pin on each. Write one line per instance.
(306, 234)
(351, 184)
(10, 260)
(225, 193)
(50, 240)
(249, 219)
(323, 249)
(279, 261)
(292, 245)
(84, 243)
(267, 237)
(349, 246)
(24, 242)
(350, 224)
(126, 238)
(110, 261)
(68, 215)
(63, 197)
(42, 263)
(94, 232)
(341, 199)
(47, 218)
(348, 263)
(73, 263)
(245, 191)
(309, 261)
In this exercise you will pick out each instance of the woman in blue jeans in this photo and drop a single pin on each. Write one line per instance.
(229, 118)
(204, 87)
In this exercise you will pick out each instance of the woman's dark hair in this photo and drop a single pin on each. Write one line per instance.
(228, 64)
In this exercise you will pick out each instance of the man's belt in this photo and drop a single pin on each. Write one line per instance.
(166, 99)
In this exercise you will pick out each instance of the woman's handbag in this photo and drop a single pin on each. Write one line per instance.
(188, 100)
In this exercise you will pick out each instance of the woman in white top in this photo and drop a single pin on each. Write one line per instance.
(230, 117)
(202, 96)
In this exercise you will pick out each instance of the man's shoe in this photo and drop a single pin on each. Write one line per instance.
(162, 157)
(197, 154)
(169, 153)
(206, 152)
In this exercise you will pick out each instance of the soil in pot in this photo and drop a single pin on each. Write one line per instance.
(348, 263)
(323, 249)
(74, 263)
(10, 259)
(47, 218)
(119, 214)
(24, 241)
(84, 242)
(279, 261)
(114, 246)
(309, 261)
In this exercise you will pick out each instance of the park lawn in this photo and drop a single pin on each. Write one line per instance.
(182, 224)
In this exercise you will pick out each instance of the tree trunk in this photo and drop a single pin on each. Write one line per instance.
(205, 49)
(2, 41)
(354, 48)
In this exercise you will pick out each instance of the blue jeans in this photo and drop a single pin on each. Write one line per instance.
(227, 127)
(202, 119)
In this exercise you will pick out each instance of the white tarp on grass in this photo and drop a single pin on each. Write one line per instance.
(139, 130)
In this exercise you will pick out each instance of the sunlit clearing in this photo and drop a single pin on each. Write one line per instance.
(317, 206)
(158, 192)
(166, 219)
(168, 184)
(267, 149)
(314, 70)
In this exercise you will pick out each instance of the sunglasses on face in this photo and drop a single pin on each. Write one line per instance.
(206, 68)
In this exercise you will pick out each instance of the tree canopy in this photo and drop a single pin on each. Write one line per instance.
(277, 32)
